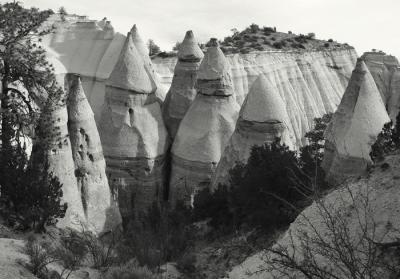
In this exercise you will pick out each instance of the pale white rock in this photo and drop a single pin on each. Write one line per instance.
(379, 190)
(354, 127)
(53, 145)
(91, 49)
(385, 70)
(310, 83)
(262, 119)
(99, 204)
(182, 92)
(161, 91)
(133, 134)
(205, 129)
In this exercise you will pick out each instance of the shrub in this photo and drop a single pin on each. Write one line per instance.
(244, 50)
(326, 44)
(279, 45)
(254, 28)
(330, 40)
(187, 263)
(301, 39)
(387, 141)
(39, 257)
(261, 194)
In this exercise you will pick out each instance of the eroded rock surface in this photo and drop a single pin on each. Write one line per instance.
(262, 119)
(310, 83)
(354, 127)
(98, 201)
(385, 69)
(133, 134)
(205, 129)
(53, 146)
(182, 91)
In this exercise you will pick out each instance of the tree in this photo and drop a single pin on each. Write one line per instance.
(176, 46)
(62, 13)
(153, 48)
(23, 64)
(27, 80)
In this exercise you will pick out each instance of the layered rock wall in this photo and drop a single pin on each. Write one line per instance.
(310, 83)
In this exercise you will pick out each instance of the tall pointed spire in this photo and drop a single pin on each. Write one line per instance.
(101, 210)
(214, 76)
(262, 119)
(354, 127)
(129, 72)
(189, 49)
(182, 92)
(205, 129)
(133, 134)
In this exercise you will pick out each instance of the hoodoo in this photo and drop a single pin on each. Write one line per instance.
(54, 147)
(262, 119)
(205, 129)
(133, 134)
(161, 91)
(354, 127)
(100, 208)
(182, 92)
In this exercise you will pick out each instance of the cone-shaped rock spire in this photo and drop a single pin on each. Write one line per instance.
(354, 127)
(129, 72)
(182, 92)
(53, 146)
(189, 49)
(214, 76)
(101, 210)
(134, 140)
(144, 53)
(262, 119)
(204, 130)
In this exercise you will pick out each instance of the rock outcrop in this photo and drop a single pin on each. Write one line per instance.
(205, 129)
(99, 205)
(354, 127)
(385, 69)
(53, 147)
(182, 91)
(262, 119)
(362, 210)
(133, 134)
(310, 83)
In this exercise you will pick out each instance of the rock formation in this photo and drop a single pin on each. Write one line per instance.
(53, 145)
(133, 134)
(100, 208)
(385, 70)
(161, 91)
(376, 195)
(310, 83)
(354, 127)
(182, 92)
(262, 119)
(205, 129)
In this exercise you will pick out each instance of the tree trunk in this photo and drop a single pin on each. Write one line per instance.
(6, 123)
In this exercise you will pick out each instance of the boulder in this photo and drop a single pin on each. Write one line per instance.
(99, 204)
(354, 127)
(262, 119)
(182, 92)
(133, 134)
(205, 129)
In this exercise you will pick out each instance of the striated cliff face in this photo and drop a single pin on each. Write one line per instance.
(385, 69)
(310, 83)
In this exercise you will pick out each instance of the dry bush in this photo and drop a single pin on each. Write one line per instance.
(337, 246)
(131, 270)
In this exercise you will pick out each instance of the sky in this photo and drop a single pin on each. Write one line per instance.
(364, 24)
